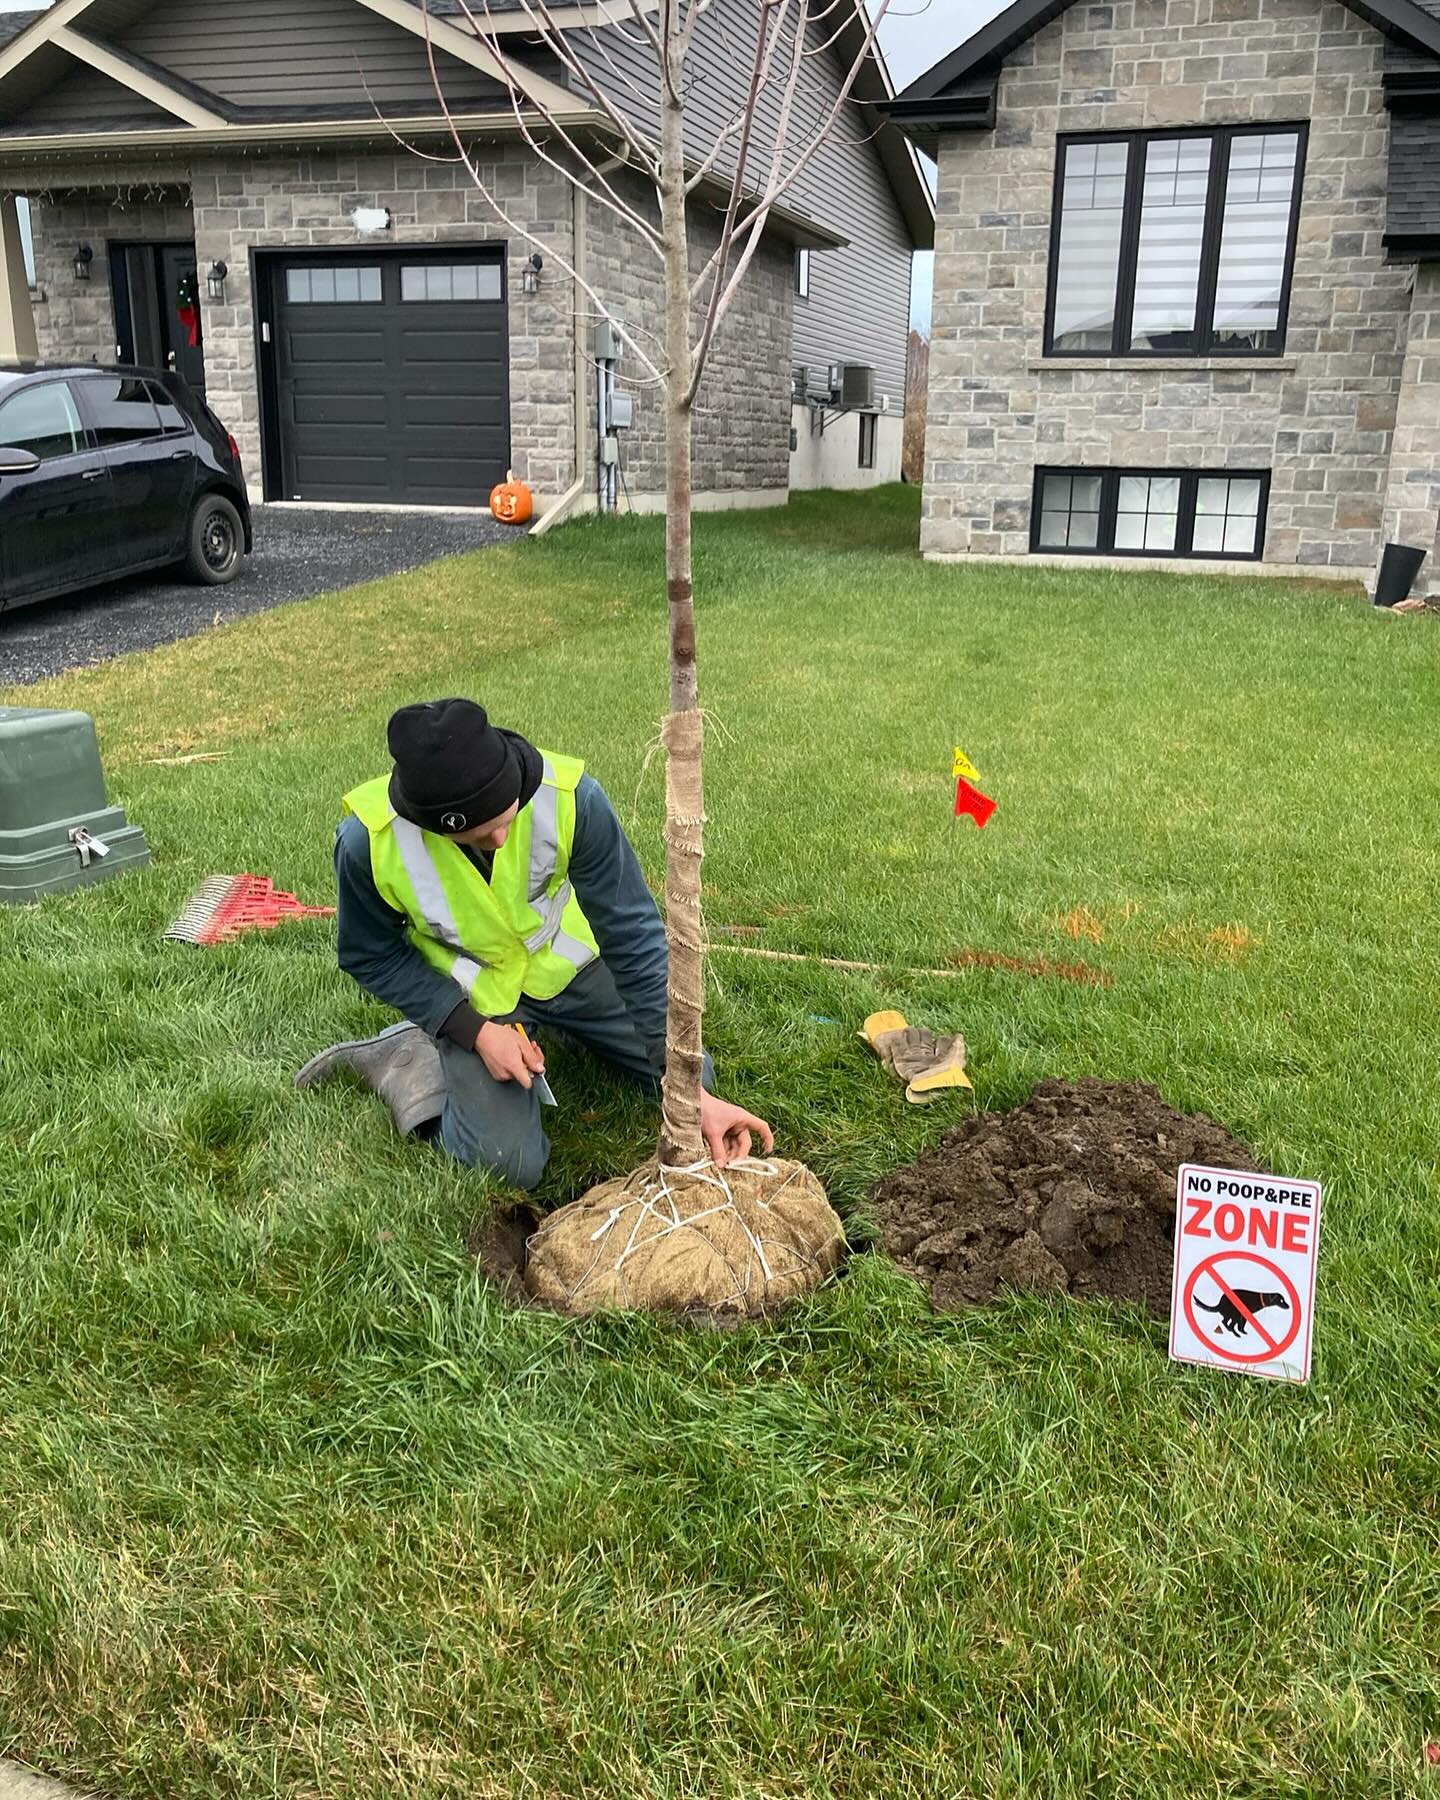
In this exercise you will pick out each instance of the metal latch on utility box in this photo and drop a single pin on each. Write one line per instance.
(87, 846)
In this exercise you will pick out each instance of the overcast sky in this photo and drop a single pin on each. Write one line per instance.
(914, 35)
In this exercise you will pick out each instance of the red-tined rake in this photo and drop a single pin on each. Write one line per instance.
(225, 905)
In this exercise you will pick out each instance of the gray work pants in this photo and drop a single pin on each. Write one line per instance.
(496, 1125)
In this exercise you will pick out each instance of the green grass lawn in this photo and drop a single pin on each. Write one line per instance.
(290, 1504)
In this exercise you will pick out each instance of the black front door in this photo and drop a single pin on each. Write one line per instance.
(158, 322)
(56, 524)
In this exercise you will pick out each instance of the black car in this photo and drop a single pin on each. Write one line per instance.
(107, 472)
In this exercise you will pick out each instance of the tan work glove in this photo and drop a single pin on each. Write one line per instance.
(927, 1064)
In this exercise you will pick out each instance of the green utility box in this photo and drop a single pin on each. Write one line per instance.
(56, 831)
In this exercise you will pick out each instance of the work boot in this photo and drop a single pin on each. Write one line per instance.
(402, 1066)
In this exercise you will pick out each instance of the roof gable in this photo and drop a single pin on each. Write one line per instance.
(1411, 24)
(215, 64)
(276, 53)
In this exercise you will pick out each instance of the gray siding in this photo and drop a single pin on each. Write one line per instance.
(88, 101)
(284, 53)
(859, 305)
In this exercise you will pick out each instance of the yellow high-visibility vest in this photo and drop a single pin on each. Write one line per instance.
(521, 932)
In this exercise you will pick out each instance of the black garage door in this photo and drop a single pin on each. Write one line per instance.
(391, 376)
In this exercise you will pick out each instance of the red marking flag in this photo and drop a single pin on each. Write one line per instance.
(970, 803)
(1243, 1293)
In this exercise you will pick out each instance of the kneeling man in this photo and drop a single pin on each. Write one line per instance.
(485, 884)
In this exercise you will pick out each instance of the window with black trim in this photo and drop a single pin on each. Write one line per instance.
(867, 440)
(348, 284)
(1150, 512)
(802, 274)
(1174, 243)
(451, 281)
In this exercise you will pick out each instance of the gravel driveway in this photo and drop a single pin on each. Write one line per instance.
(297, 555)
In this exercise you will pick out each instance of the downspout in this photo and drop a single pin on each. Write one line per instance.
(565, 505)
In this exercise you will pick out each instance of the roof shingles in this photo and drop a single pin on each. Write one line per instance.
(13, 23)
(1413, 206)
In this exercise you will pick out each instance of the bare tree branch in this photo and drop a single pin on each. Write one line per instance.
(743, 115)
(511, 223)
(609, 197)
(749, 231)
(556, 39)
(707, 330)
(782, 181)
(595, 36)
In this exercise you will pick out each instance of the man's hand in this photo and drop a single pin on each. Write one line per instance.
(726, 1130)
(507, 1055)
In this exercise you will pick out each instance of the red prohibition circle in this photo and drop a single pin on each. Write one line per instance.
(1207, 1267)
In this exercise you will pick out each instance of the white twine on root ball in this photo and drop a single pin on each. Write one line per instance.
(653, 1197)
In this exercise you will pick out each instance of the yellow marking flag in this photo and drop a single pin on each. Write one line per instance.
(961, 767)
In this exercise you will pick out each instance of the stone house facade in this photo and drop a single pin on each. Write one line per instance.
(355, 310)
(1185, 285)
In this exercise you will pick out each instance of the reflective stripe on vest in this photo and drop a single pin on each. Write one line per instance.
(435, 913)
(544, 835)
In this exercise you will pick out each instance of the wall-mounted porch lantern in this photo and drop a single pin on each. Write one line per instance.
(530, 279)
(215, 281)
(84, 256)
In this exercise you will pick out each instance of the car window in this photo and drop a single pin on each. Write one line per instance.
(42, 420)
(171, 417)
(121, 410)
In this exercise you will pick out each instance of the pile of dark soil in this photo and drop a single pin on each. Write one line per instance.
(1072, 1192)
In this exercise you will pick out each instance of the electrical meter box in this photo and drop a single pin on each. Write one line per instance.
(56, 830)
(609, 344)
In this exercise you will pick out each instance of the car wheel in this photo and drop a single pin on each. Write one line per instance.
(216, 542)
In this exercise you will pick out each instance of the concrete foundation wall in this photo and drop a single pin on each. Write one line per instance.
(833, 460)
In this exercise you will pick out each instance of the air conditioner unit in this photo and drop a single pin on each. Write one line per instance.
(857, 387)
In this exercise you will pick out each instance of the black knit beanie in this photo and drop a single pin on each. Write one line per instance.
(454, 769)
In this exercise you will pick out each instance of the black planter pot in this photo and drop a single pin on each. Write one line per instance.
(1399, 565)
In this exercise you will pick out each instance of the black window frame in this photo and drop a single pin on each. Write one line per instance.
(802, 273)
(1136, 142)
(1189, 480)
(867, 440)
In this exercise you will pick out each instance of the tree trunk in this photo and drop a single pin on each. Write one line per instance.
(680, 1139)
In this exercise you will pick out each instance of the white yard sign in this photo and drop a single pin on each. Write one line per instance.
(1243, 1296)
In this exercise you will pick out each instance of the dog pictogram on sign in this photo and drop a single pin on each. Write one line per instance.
(1242, 1334)
(1244, 1284)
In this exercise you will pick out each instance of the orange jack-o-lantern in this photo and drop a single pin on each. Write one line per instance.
(512, 502)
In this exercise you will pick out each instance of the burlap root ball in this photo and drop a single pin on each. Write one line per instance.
(683, 1243)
